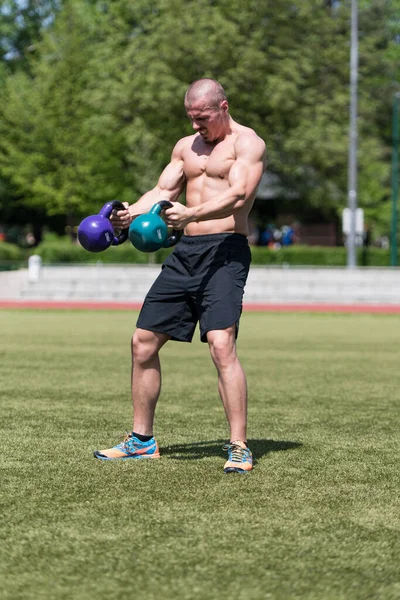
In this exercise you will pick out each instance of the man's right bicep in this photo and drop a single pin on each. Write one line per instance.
(172, 180)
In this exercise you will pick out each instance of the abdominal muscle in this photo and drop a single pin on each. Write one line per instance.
(200, 190)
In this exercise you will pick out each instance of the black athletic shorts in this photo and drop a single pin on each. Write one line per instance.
(203, 281)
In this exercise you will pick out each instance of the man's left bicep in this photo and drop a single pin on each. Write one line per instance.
(245, 176)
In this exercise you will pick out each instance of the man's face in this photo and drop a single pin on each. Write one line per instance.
(208, 121)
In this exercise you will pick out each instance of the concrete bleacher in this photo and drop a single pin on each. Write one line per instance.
(266, 285)
(103, 283)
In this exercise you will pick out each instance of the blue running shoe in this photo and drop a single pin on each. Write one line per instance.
(240, 459)
(131, 447)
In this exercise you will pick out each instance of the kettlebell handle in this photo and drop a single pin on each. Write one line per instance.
(106, 212)
(159, 206)
(176, 233)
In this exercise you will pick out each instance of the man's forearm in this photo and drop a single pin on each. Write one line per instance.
(144, 204)
(218, 208)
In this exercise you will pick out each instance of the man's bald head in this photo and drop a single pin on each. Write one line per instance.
(207, 91)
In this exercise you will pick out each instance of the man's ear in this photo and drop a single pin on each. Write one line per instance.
(224, 105)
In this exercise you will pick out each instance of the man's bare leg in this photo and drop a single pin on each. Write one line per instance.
(146, 386)
(232, 386)
(146, 378)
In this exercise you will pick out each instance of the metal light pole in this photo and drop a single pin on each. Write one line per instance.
(395, 178)
(352, 164)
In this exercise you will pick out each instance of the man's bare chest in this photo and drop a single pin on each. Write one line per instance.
(213, 161)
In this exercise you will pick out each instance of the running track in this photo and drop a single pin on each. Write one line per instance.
(309, 307)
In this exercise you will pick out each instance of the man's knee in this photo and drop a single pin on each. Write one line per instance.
(222, 344)
(146, 344)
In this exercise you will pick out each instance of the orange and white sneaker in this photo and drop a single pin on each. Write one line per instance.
(130, 447)
(240, 459)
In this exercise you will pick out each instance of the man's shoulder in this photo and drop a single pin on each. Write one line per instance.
(244, 132)
(248, 139)
(183, 143)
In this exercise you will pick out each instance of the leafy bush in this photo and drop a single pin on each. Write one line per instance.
(11, 256)
(319, 256)
(10, 252)
(64, 250)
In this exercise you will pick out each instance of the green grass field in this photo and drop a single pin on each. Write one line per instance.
(317, 519)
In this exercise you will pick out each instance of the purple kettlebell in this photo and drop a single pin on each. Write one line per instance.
(96, 233)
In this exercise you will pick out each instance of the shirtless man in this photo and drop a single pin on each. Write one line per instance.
(203, 279)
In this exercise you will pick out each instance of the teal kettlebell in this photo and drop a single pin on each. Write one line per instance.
(149, 232)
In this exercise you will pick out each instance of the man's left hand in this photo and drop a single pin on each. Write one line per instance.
(178, 216)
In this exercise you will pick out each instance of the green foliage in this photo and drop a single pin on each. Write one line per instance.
(51, 149)
(10, 251)
(11, 256)
(101, 106)
(21, 24)
(318, 256)
(63, 250)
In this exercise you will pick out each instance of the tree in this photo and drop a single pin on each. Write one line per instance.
(286, 70)
(51, 148)
(21, 24)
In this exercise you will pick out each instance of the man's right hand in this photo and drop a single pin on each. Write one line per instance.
(121, 219)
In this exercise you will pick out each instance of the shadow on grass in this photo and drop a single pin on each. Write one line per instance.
(196, 450)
